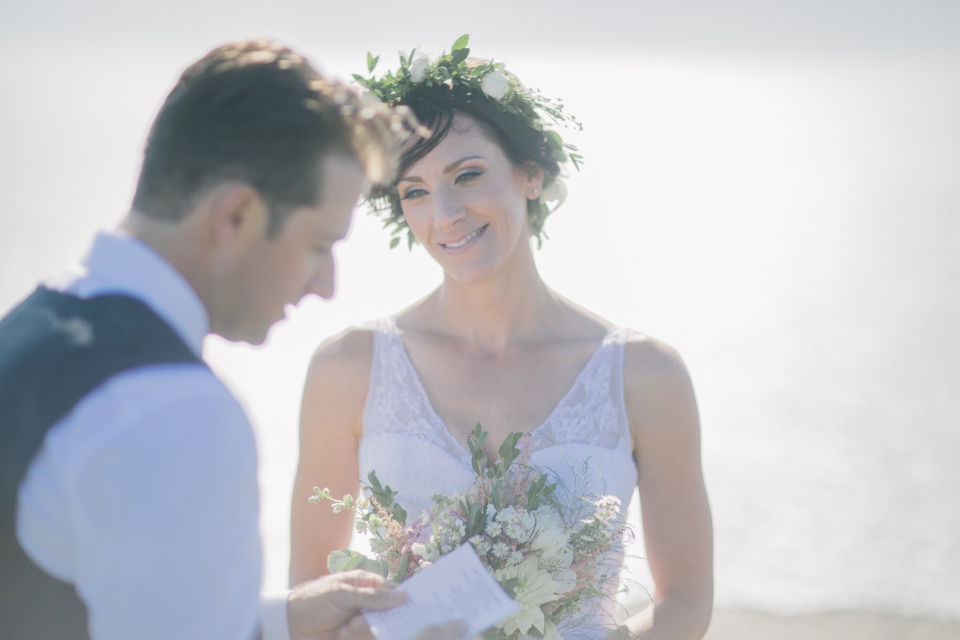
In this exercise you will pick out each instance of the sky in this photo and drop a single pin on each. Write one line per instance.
(770, 187)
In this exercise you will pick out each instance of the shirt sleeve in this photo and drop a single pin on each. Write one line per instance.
(164, 506)
(273, 616)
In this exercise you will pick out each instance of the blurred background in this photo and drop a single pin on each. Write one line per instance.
(771, 187)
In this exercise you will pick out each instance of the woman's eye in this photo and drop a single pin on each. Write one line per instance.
(466, 176)
(413, 193)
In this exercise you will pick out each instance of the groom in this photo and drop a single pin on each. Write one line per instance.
(128, 490)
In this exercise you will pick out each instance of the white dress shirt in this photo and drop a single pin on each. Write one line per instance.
(145, 495)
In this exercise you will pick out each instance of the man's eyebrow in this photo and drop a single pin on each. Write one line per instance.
(447, 169)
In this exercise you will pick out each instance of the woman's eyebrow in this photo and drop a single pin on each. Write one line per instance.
(447, 169)
(453, 165)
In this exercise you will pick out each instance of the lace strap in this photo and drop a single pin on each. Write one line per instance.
(617, 391)
(593, 411)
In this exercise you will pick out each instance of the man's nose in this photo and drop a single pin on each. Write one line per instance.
(324, 281)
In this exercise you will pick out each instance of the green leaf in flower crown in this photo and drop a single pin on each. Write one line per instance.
(461, 42)
(394, 242)
(554, 138)
(372, 62)
(361, 81)
(458, 56)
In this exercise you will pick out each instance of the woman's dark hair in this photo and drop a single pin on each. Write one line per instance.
(256, 112)
(435, 107)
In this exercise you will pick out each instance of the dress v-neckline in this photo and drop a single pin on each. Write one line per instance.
(465, 456)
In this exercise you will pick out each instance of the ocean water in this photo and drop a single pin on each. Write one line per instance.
(790, 224)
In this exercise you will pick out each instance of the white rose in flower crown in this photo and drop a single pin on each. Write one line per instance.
(495, 84)
(419, 66)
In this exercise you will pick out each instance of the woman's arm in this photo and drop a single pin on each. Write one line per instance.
(330, 431)
(676, 515)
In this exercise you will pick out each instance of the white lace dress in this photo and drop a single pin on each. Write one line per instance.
(412, 449)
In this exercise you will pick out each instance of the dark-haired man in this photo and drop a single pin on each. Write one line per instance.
(128, 503)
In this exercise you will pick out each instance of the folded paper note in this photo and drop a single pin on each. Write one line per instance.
(455, 587)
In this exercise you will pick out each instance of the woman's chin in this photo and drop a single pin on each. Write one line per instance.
(471, 273)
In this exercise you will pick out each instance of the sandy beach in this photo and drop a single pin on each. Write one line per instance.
(749, 625)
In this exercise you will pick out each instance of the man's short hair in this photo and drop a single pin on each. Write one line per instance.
(257, 112)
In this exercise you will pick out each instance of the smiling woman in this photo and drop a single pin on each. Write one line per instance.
(493, 343)
(469, 171)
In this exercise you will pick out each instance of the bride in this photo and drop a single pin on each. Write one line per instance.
(494, 344)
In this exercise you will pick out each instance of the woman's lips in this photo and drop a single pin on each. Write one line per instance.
(470, 237)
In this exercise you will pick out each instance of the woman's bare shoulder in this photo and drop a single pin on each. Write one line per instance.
(344, 359)
(657, 386)
(644, 355)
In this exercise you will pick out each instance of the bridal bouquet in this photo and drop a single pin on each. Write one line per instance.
(546, 552)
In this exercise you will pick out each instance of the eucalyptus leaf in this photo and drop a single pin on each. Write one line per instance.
(461, 42)
(357, 562)
(345, 560)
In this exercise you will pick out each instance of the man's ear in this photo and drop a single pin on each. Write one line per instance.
(237, 213)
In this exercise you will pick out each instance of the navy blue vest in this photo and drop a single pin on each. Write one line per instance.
(55, 349)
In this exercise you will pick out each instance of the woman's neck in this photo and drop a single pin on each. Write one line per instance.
(513, 304)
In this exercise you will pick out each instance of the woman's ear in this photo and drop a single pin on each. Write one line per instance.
(534, 180)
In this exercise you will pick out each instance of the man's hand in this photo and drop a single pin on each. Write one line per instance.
(358, 630)
(319, 609)
(329, 608)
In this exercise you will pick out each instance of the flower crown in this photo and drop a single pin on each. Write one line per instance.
(505, 92)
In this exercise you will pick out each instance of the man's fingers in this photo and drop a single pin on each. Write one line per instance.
(365, 598)
(453, 630)
(360, 578)
(359, 625)
(356, 629)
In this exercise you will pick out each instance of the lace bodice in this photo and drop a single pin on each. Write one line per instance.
(413, 452)
(412, 449)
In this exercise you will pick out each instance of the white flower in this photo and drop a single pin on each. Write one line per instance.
(515, 531)
(567, 579)
(493, 528)
(419, 549)
(480, 544)
(608, 507)
(537, 587)
(515, 557)
(495, 84)
(419, 66)
(500, 549)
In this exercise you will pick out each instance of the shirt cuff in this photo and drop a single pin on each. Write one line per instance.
(273, 616)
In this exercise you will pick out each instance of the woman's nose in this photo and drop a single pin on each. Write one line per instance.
(447, 209)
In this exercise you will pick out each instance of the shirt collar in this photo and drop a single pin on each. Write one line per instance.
(120, 264)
